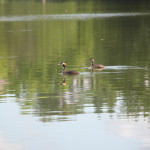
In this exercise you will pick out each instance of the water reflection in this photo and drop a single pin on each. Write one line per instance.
(69, 16)
(54, 106)
(6, 145)
(130, 129)
(92, 92)
(64, 81)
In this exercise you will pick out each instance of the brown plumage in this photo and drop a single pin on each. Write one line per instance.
(67, 72)
(97, 66)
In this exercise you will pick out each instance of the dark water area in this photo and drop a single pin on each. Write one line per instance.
(108, 108)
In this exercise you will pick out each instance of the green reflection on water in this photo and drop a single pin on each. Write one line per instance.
(31, 50)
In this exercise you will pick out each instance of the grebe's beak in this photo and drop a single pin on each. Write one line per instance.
(59, 64)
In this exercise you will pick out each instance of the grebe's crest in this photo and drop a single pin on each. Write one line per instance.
(63, 64)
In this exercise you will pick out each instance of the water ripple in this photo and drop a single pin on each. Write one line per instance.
(67, 16)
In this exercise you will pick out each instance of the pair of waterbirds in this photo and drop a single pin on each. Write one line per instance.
(97, 66)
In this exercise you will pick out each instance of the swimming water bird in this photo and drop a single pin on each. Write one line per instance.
(97, 66)
(67, 72)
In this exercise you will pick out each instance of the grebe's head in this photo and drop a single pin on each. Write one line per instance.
(92, 60)
(62, 64)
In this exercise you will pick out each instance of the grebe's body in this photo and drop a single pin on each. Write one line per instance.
(67, 72)
(97, 66)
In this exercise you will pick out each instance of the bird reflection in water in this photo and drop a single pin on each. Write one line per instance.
(64, 82)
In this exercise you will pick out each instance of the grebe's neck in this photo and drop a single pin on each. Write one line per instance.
(64, 68)
(92, 63)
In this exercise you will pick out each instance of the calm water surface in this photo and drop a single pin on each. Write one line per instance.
(101, 109)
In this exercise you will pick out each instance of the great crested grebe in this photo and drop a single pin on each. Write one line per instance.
(97, 66)
(67, 72)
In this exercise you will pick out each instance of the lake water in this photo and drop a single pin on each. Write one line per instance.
(102, 109)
